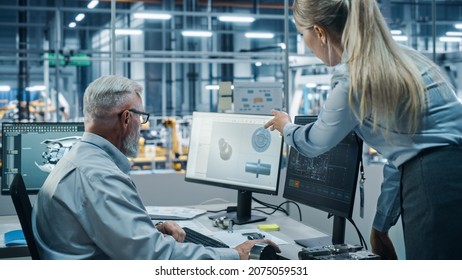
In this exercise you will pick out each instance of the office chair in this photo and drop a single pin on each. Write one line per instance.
(24, 210)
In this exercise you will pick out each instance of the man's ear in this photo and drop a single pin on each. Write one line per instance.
(321, 33)
(125, 118)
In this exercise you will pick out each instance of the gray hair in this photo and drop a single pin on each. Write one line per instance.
(106, 94)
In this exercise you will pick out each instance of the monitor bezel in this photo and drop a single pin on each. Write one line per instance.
(303, 120)
(234, 186)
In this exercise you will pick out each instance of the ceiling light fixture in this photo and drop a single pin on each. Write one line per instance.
(458, 26)
(258, 35)
(79, 17)
(451, 39)
(311, 85)
(36, 88)
(396, 32)
(155, 16)
(453, 33)
(128, 32)
(92, 4)
(192, 33)
(400, 38)
(212, 87)
(246, 19)
(5, 88)
(72, 24)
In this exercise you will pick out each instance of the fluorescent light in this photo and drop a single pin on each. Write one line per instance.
(36, 88)
(79, 17)
(191, 33)
(92, 4)
(72, 24)
(311, 85)
(157, 16)
(458, 26)
(236, 19)
(400, 38)
(212, 87)
(258, 64)
(259, 35)
(325, 87)
(451, 39)
(128, 32)
(452, 33)
(5, 88)
(396, 32)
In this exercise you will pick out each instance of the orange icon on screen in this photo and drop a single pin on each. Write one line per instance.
(296, 184)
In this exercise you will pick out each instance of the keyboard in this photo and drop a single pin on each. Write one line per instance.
(195, 237)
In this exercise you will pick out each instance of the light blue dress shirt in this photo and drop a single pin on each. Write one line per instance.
(89, 208)
(441, 125)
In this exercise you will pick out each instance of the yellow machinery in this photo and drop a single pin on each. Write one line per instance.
(170, 156)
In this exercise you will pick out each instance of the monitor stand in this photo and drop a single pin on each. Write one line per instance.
(338, 235)
(244, 211)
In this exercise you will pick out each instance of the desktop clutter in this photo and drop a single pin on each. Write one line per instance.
(260, 251)
(313, 252)
(337, 252)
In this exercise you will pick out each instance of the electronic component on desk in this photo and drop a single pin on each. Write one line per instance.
(253, 235)
(336, 252)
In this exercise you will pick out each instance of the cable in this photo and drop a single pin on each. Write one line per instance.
(362, 241)
(276, 208)
(212, 201)
(361, 238)
(268, 205)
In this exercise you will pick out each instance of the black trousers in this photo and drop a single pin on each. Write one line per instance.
(431, 202)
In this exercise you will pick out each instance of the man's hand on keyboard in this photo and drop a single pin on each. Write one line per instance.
(244, 248)
(173, 229)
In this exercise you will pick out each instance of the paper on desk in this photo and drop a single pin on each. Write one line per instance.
(232, 239)
(173, 213)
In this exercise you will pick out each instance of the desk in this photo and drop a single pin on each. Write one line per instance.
(290, 230)
(8, 223)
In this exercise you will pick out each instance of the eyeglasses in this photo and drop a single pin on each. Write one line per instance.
(144, 117)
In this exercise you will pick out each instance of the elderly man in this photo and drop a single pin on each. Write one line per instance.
(89, 208)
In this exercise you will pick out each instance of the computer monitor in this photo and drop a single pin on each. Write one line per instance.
(33, 149)
(326, 182)
(234, 151)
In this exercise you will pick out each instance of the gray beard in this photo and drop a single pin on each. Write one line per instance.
(131, 143)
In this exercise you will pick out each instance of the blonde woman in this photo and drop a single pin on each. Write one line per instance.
(399, 103)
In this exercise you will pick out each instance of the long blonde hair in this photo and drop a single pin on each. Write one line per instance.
(385, 82)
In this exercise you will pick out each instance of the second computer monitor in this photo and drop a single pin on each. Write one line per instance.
(33, 149)
(326, 182)
(235, 151)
